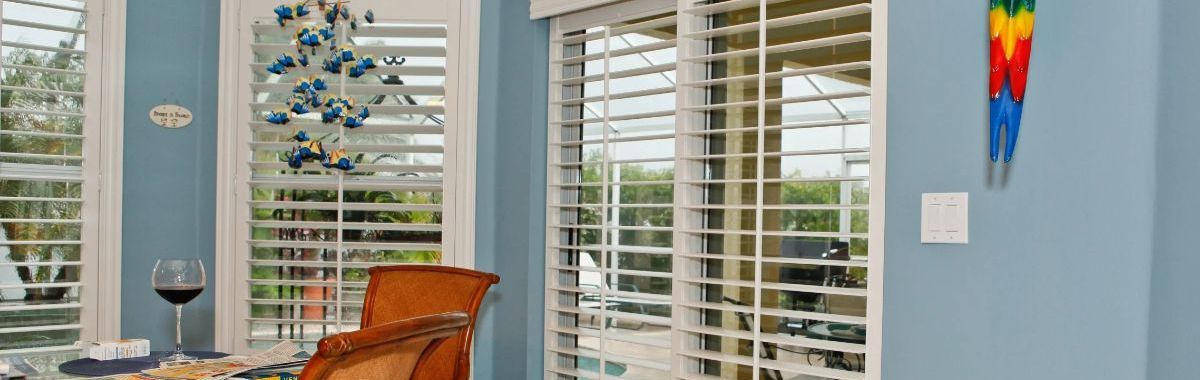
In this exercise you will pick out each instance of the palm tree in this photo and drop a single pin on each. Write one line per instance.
(35, 144)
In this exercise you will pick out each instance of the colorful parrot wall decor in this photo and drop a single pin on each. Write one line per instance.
(1011, 34)
(309, 93)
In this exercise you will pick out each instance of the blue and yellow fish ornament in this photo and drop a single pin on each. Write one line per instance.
(332, 114)
(298, 105)
(326, 32)
(357, 120)
(301, 8)
(344, 102)
(278, 117)
(331, 14)
(346, 54)
(300, 135)
(332, 65)
(276, 68)
(284, 13)
(311, 150)
(307, 150)
(338, 159)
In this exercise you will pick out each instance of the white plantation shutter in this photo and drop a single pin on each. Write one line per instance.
(612, 136)
(775, 227)
(311, 234)
(49, 174)
(771, 131)
(548, 8)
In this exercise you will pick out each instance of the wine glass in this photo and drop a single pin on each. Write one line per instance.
(178, 281)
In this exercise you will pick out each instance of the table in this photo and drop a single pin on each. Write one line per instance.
(47, 366)
(837, 332)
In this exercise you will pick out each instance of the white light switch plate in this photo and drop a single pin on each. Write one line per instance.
(944, 218)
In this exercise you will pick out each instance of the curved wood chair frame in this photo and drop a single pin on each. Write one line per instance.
(357, 354)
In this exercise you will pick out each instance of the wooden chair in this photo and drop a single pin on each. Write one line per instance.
(392, 350)
(406, 291)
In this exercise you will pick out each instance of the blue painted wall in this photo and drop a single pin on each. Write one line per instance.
(168, 202)
(1055, 282)
(1175, 308)
(511, 180)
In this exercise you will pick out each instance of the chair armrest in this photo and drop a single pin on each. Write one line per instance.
(430, 326)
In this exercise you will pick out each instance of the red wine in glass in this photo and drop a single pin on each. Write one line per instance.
(178, 281)
(179, 295)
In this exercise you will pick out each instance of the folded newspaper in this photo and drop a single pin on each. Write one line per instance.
(282, 354)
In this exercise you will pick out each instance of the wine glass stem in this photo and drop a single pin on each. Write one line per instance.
(178, 338)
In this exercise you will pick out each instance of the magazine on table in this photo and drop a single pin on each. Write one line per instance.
(283, 354)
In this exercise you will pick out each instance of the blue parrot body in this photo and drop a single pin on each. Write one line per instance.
(370, 16)
(301, 136)
(303, 60)
(1006, 113)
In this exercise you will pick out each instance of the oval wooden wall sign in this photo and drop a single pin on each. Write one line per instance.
(171, 116)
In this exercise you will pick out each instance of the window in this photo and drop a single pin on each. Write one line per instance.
(307, 236)
(52, 154)
(759, 166)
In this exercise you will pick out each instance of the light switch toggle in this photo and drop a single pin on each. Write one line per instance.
(944, 218)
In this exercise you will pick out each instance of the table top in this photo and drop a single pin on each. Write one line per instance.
(47, 366)
(93, 367)
(839, 332)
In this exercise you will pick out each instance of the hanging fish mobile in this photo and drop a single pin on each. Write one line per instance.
(308, 92)
(1011, 33)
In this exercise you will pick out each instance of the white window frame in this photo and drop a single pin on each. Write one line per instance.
(100, 275)
(459, 155)
(877, 157)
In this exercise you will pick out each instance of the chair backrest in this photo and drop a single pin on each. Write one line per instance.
(392, 350)
(406, 291)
